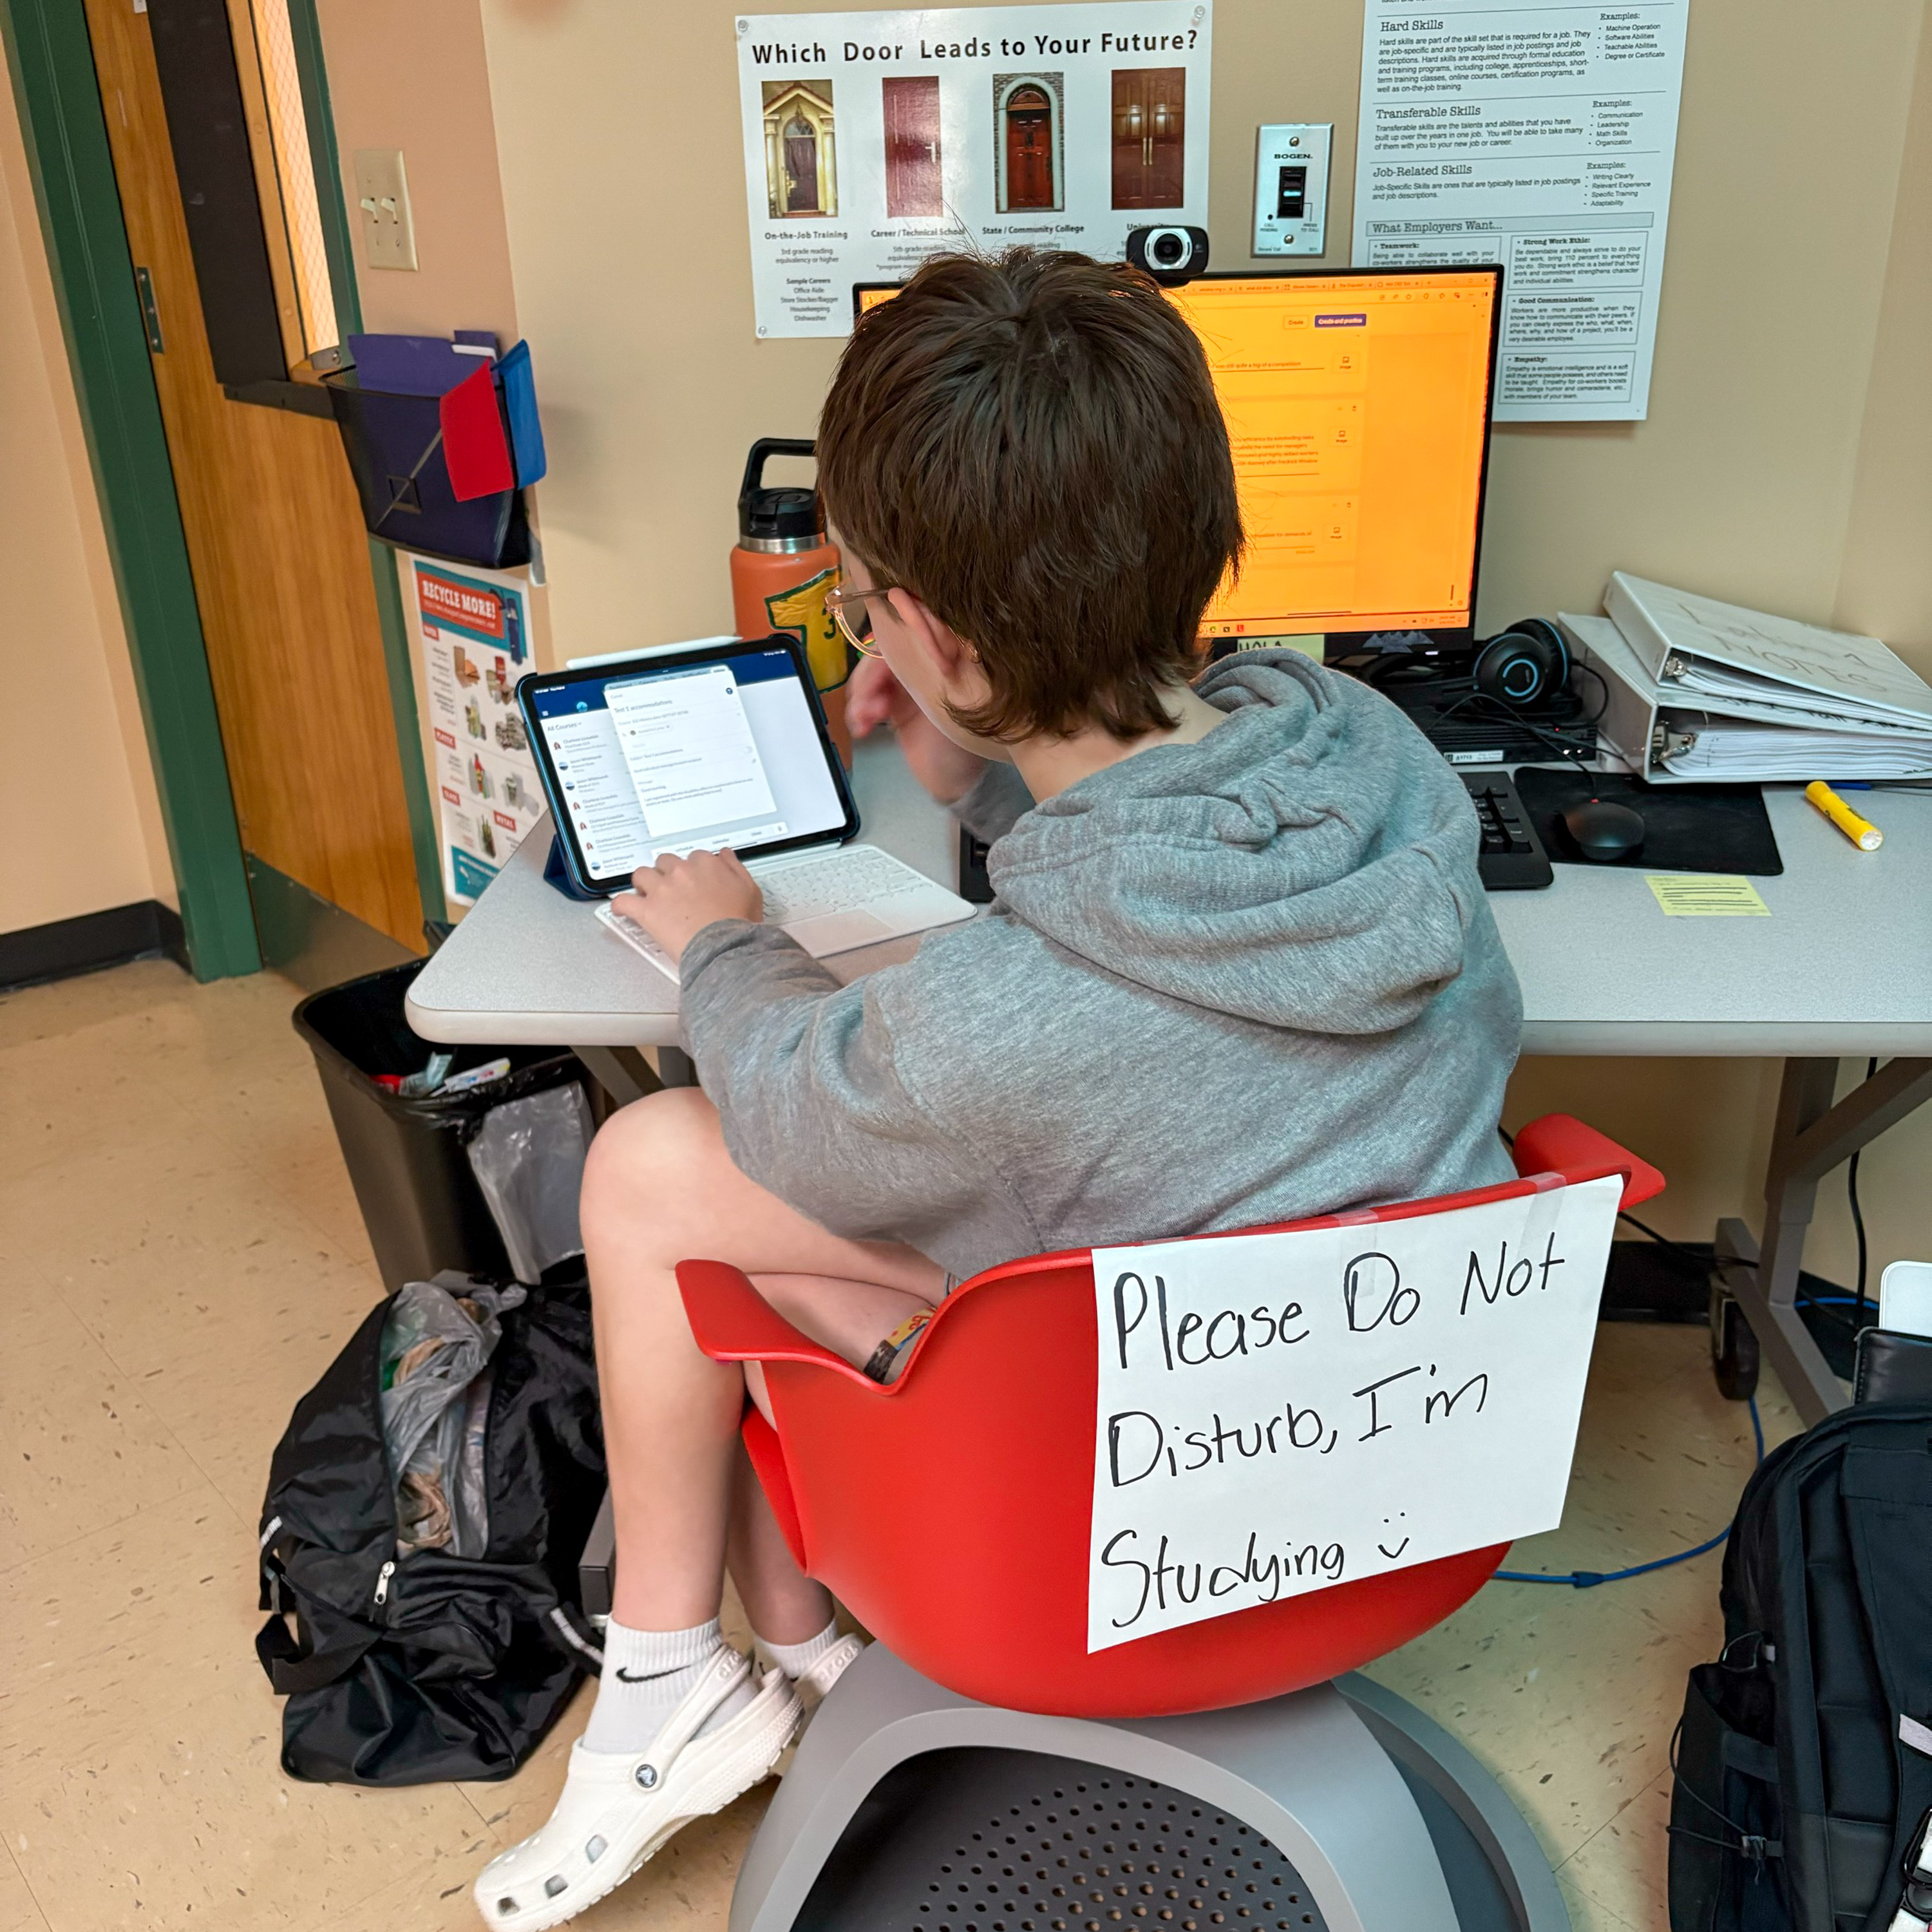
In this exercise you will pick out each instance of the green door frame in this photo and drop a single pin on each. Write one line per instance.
(58, 95)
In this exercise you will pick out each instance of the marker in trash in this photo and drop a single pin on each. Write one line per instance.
(1861, 831)
(476, 1076)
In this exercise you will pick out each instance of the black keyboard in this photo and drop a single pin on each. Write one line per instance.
(1512, 859)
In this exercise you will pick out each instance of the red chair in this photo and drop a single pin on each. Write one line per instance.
(949, 1513)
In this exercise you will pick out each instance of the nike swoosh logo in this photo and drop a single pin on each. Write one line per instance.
(649, 1677)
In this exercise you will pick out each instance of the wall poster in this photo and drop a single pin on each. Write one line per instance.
(474, 630)
(1541, 137)
(873, 140)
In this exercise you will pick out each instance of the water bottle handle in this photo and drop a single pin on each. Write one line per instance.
(769, 446)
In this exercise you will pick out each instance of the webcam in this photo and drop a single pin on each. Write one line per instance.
(1171, 255)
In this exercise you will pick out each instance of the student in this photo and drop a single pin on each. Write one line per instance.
(1241, 969)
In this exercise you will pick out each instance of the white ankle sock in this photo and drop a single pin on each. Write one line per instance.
(647, 1675)
(796, 1659)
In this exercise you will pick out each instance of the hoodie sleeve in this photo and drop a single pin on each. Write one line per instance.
(808, 1078)
(999, 800)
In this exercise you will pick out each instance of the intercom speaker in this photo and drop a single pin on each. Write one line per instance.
(1172, 255)
(1525, 664)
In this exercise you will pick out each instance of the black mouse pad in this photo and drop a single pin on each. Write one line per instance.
(1687, 828)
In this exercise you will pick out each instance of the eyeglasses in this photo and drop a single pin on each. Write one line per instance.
(848, 611)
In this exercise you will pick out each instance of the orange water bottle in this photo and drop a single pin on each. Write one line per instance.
(782, 568)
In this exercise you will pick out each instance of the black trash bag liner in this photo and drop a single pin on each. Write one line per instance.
(417, 1670)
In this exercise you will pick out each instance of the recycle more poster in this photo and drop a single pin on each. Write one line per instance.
(474, 630)
(874, 140)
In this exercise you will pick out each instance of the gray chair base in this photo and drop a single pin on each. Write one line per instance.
(1339, 1809)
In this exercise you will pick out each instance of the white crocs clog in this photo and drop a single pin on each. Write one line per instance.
(813, 1685)
(616, 1808)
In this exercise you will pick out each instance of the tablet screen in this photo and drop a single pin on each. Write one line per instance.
(689, 752)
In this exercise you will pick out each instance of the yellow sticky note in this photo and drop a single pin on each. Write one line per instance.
(1707, 895)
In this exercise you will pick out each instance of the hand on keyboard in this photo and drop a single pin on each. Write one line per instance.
(677, 898)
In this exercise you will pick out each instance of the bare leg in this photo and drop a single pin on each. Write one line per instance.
(784, 1604)
(660, 1188)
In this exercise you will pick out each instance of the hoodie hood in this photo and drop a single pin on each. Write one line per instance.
(1308, 864)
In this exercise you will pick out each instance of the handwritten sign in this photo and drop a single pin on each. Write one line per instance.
(1278, 1413)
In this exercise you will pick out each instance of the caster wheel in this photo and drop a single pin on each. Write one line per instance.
(1734, 1353)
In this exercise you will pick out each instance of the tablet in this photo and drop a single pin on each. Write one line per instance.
(685, 750)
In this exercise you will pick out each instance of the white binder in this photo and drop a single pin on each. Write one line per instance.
(1754, 706)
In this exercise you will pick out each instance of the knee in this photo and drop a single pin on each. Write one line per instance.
(646, 1159)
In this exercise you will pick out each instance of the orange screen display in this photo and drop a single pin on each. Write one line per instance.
(1356, 406)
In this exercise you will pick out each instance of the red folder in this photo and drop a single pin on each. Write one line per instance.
(475, 447)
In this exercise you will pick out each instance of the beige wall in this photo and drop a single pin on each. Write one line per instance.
(1784, 462)
(84, 830)
(1886, 585)
(1740, 483)
(415, 78)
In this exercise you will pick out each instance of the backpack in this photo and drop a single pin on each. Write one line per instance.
(427, 1666)
(1804, 1760)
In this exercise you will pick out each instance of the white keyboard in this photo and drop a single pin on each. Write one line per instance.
(840, 881)
(833, 903)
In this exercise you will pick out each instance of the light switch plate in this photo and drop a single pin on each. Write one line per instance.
(1291, 187)
(383, 200)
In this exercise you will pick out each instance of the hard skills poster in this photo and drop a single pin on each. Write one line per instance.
(874, 140)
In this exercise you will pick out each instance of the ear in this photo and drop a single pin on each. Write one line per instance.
(954, 663)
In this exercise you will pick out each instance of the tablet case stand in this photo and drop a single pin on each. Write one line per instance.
(557, 874)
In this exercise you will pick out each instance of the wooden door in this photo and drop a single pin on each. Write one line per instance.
(913, 176)
(801, 149)
(1150, 136)
(1029, 135)
(281, 561)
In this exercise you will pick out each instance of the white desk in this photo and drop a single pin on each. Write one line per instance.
(529, 968)
(1842, 967)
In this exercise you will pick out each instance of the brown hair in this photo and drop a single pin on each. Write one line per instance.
(1032, 446)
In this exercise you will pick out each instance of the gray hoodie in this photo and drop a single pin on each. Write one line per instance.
(1239, 981)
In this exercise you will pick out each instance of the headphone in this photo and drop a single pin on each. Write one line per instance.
(1524, 665)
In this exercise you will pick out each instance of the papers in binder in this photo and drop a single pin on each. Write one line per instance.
(1710, 749)
(1695, 689)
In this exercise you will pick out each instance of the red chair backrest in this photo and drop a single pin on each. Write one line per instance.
(950, 1513)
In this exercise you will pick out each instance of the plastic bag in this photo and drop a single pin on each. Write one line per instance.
(528, 1158)
(436, 1349)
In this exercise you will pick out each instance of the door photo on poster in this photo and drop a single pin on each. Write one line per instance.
(874, 140)
(1027, 140)
(915, 174)
(1150, 135)
(473, 628)
(800, 176)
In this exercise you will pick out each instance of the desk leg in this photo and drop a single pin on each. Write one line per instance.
(622, 1072)
(1810, 1138)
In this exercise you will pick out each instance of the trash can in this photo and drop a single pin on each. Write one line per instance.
(420, 1201)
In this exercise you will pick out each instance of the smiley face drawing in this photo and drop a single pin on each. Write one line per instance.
(1392, 1554)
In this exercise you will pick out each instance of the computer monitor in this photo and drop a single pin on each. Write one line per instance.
(1357, 407)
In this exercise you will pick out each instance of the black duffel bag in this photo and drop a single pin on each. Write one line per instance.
(426, 1667)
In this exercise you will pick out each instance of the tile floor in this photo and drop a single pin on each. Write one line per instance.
(180, 1255)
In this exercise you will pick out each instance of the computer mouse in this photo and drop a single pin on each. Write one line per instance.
(1604, 831)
